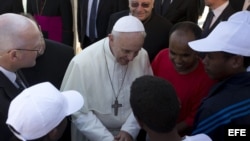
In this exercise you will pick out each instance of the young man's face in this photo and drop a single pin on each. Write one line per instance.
(217, 66)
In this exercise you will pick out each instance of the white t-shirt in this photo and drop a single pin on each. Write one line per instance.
(198, 137)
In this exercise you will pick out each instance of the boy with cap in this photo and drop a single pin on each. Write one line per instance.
(39, 112)
(227, 56)
(156, 108)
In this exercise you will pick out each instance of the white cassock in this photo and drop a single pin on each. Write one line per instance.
(88, 73)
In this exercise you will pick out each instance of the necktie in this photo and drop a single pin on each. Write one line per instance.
(92, 21)
(42, 4)
(208, 21)
(164, 6)
(157, 6)
(19, 82)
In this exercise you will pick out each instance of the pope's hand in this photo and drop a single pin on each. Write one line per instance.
(123, 136)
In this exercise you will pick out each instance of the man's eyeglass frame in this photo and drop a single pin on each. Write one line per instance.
(37, 50)
(136, 4)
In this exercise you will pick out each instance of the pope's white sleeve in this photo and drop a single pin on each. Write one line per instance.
(91, 127)
(131, 126)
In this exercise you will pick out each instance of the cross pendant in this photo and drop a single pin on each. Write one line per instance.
(116, 105)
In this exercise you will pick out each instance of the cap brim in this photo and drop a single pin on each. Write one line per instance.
(226, 37)
(74, 101)
(215, 41)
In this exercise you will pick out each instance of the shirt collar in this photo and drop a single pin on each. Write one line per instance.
(217, 12)
(10, 75)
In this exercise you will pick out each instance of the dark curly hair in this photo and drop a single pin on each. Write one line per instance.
(155, 103)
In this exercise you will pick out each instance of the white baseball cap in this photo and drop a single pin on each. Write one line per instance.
(232, 36)
(128, 24)
(39, 109)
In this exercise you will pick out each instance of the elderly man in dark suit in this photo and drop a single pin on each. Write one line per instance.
(20, 44)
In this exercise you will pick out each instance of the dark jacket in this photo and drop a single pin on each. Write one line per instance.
(227, 105)
(11, 6)
(8, 92)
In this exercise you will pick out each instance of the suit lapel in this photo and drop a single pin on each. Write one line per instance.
(101, 3)
(9, 88)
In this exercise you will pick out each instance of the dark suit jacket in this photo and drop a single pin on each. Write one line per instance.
(157, 29)
(183, 10)
(228, 11)
(105, 9)
(11, 6)
(123, 5)
(8, 92)
(51, 66)
(237, 4)
(61, 8)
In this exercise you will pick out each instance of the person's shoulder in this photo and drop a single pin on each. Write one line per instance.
(198, 137)
(54, 48)
(119, 14)
(161, 19)
(57, 45)
(164, 52)
(162, 56)
(92, 51)
(142, 56)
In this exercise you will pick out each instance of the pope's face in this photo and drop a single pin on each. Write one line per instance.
(126, 46)
(142, 9)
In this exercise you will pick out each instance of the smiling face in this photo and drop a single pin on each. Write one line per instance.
(126, 46)
(182, 56)
(142, 9)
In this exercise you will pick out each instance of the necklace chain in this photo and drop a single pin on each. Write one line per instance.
(118, 93)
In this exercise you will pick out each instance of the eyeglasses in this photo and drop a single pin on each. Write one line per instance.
(37, 50)
(136, 4)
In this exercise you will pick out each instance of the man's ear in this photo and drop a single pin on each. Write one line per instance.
(13, 54)
(237, 61)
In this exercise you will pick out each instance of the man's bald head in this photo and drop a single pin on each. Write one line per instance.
(20, 42)
(15, 30)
